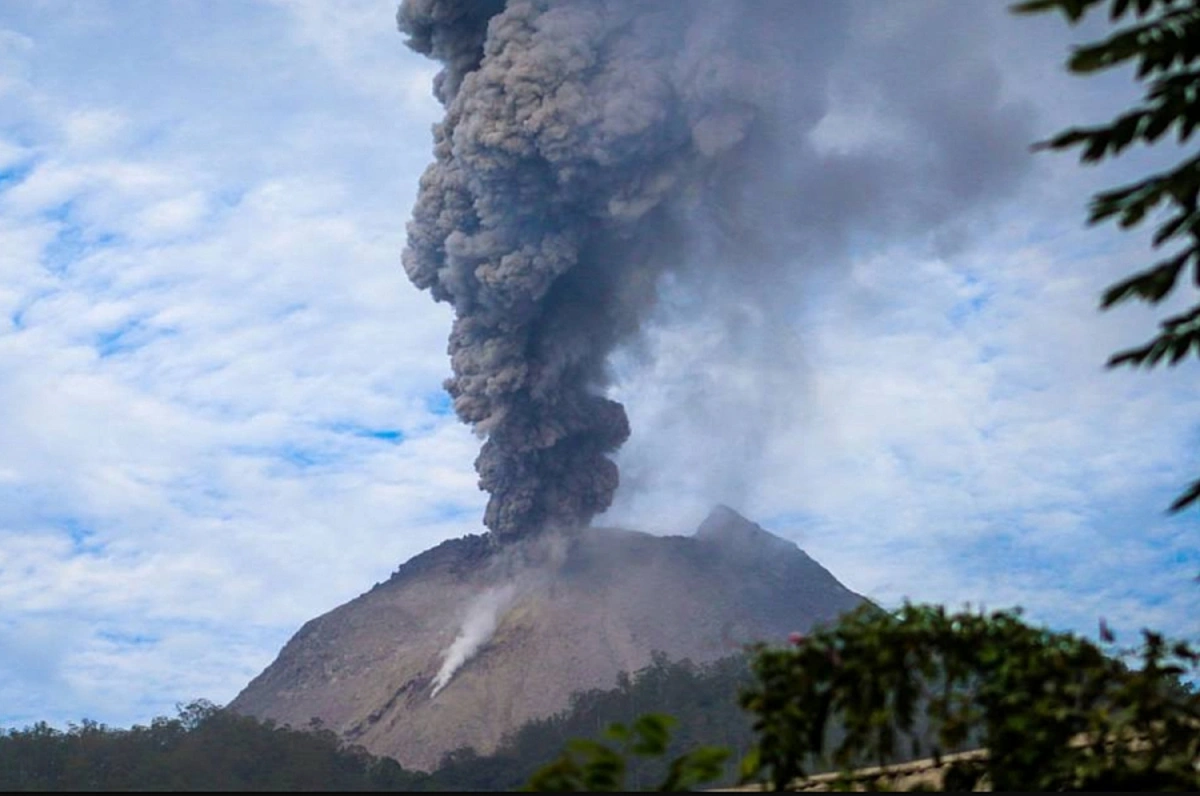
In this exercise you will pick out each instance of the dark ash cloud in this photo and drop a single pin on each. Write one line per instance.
(592, 147)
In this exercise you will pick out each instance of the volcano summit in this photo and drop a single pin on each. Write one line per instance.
(468, 641)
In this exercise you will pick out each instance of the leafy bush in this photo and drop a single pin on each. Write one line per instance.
(1053, 710)
(595, 766)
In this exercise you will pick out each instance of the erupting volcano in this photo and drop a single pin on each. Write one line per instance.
(606, 168)
(469, 640)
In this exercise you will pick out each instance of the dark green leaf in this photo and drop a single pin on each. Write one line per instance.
(1187, 498)
(1179, 348)
(1151, 285)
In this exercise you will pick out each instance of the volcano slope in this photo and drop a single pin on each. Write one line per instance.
(530, 623)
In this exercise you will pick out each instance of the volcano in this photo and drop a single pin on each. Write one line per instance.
(470, 640)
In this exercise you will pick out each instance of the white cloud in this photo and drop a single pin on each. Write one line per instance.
(90, 130)
(199, 345)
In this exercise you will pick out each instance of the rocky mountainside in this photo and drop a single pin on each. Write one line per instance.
(468, 641)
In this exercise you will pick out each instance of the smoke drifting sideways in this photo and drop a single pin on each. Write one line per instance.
(593, 151)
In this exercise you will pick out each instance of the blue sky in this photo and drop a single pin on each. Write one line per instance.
(220, 401)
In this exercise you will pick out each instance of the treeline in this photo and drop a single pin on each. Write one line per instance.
(204, 748)
(702, 698)
(207, 748)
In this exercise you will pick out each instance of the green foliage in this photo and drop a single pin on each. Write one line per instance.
(703, 699)
(594, 766)
(1162, 42)
(1054, 711)
(206, 748)
(203, 748)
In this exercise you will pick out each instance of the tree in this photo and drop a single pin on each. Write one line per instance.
(587, 765)
(1028, 708)
(1162, 39)
(204, 748)
(1053, 711)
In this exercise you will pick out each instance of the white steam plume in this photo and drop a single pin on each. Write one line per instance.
(477, 627)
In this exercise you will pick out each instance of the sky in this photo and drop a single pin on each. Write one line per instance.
(221, 410)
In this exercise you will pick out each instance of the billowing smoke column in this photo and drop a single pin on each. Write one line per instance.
(578, 136)
(598, 154)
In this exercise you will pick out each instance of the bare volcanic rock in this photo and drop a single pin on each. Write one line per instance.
(468, 641)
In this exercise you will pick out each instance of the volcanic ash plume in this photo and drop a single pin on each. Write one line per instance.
(597, 153)
(578, 136)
